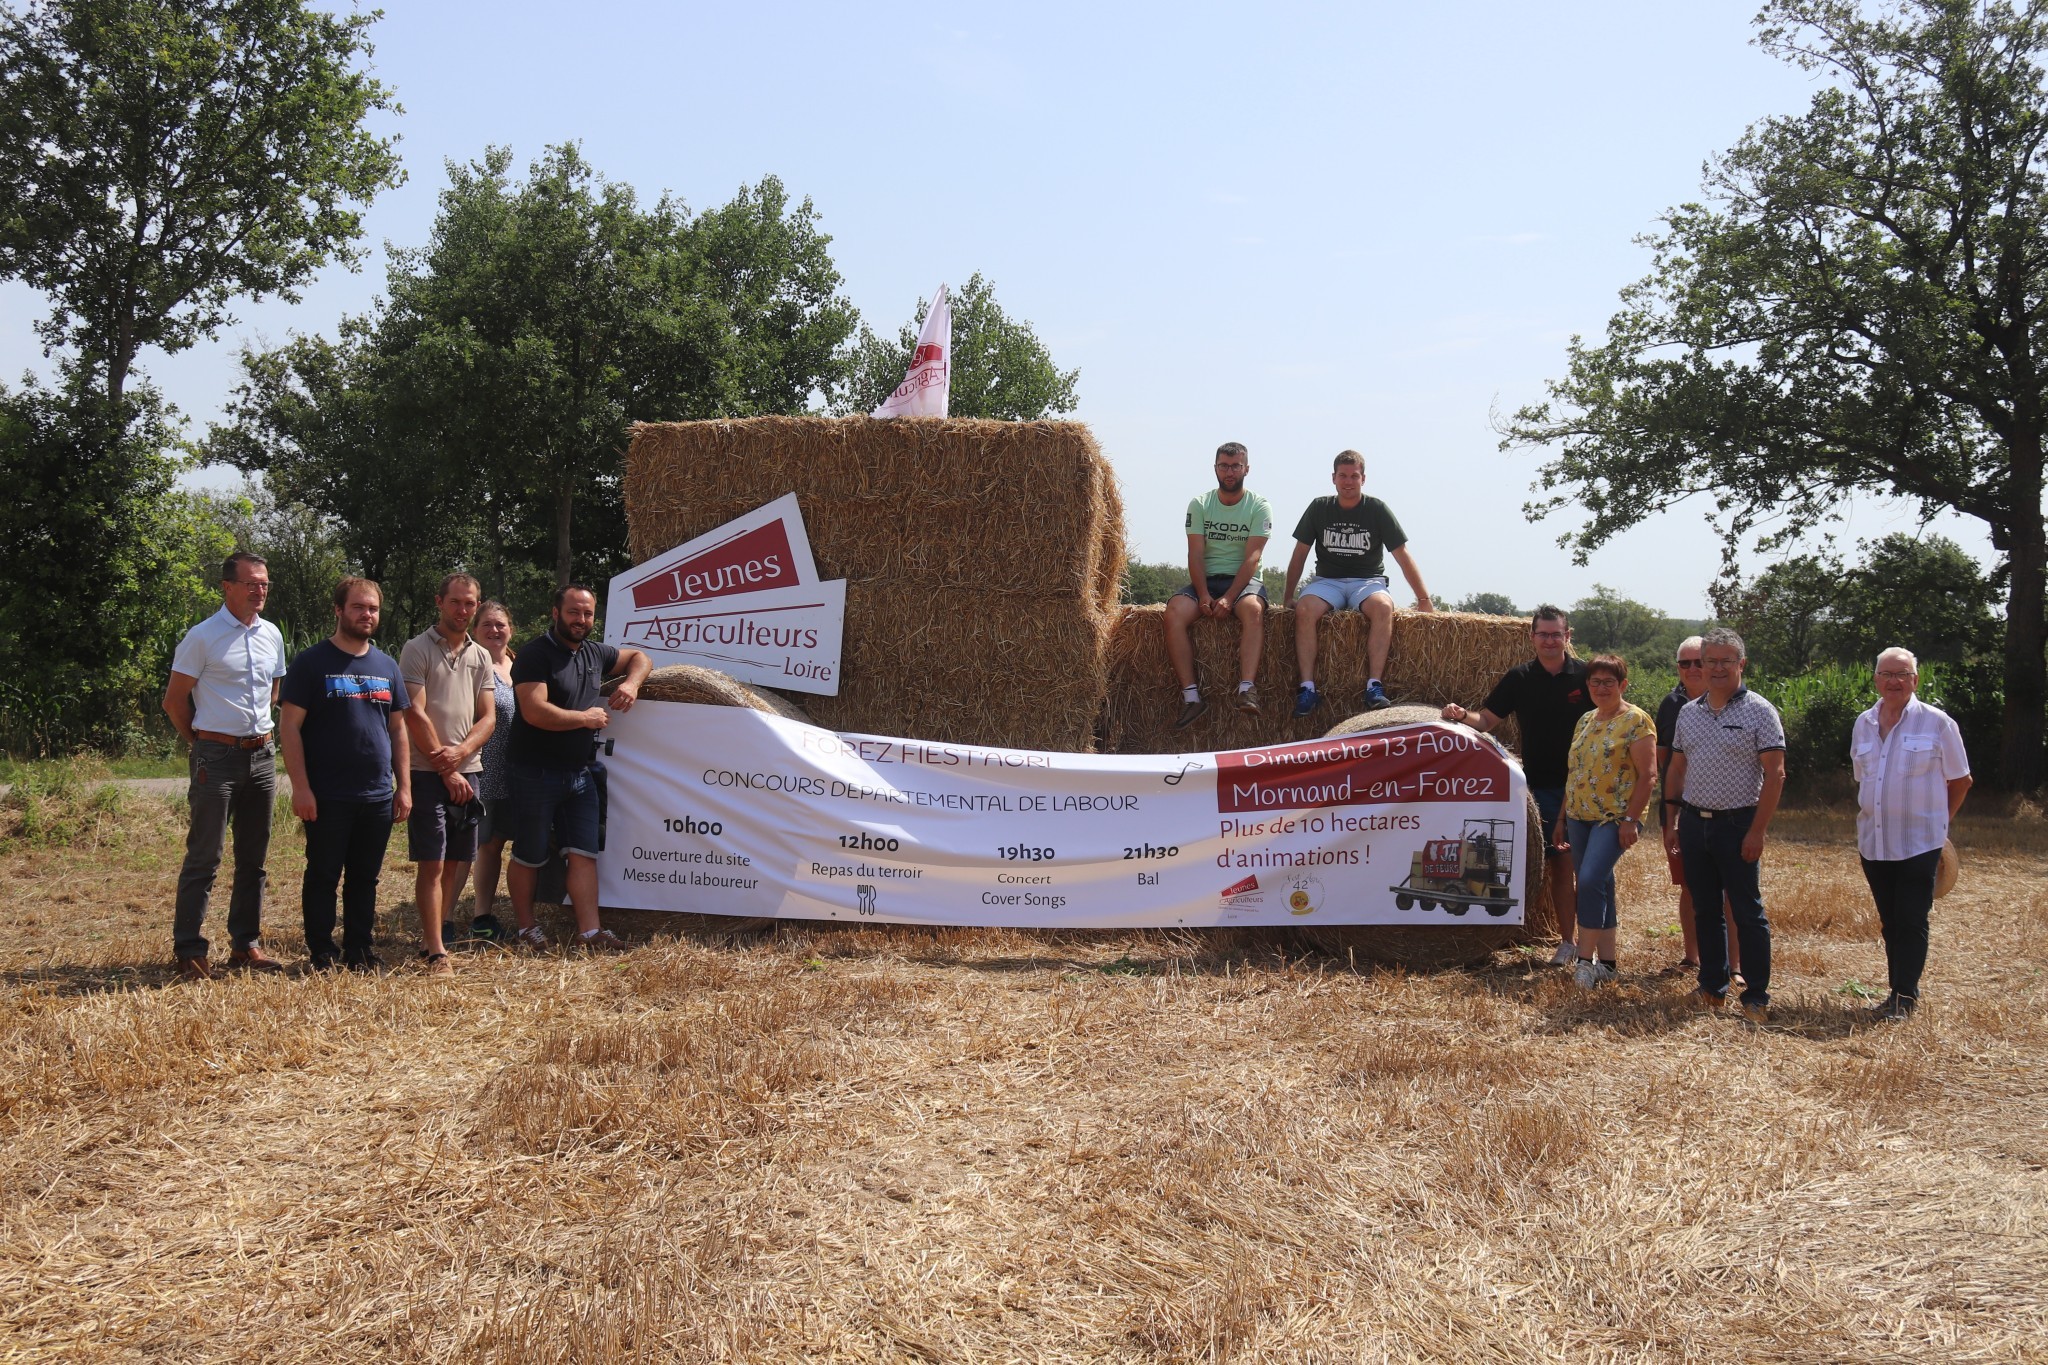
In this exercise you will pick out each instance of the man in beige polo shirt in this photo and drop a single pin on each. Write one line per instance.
(448, 676)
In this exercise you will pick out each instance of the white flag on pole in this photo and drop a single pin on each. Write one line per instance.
(924, 389)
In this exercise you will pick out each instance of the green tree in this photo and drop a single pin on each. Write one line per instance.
(1926, 594)
(160, 159)
(1487, 604)
(1608, 623)
(481, 415)
(999, 368)
(1147, 584)
(1861, 306)
(302, 548)
(1788, 615)
(100, 572)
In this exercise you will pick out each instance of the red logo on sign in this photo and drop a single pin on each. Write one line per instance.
(926, 355)
(1245, 887)
(1440, 857)
(750, 562)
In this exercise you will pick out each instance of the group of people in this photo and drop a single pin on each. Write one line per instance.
(473, 746)
(1591, 758)
(1717, 750)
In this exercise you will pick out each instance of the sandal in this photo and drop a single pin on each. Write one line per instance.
(437, 964)
(1685, 966)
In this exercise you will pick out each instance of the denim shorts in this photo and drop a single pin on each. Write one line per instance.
(1219, 583)
(1345, 593)
(440, 829)
(1549, 801)
(552, 808)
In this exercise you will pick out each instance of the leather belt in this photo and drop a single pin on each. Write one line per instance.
(1706, 814)
(234, 741)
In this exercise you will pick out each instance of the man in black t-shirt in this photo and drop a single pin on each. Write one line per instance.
(1546, 696)
(551, 757)
(1352, 535)
(344, 746)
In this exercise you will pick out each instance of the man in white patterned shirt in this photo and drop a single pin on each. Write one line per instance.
(223, 685)
(1728, 769)
(1911, 777)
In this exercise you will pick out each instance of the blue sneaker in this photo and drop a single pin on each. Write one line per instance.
(1375, 698)
(1306, 700)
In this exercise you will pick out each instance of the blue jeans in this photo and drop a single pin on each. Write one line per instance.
(345, 848)
(1596, 848)
(1712, 852)
(553, 808)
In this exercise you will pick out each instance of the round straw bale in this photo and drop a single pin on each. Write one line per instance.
(1434, 945)
(709, 687)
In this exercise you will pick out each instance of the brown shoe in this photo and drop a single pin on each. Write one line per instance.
(254, 959)
(1189, 711)
(194, 969)
(1247, 702)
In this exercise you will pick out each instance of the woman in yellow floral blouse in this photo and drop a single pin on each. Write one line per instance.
(1607, 786)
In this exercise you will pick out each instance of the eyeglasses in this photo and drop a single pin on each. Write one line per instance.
(1889, 673)
(1550, 634)
(246, 584)
(1603, 681)
(1689, 663)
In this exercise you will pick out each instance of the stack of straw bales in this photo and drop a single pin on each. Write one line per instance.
(982, 559)
(1436, 657)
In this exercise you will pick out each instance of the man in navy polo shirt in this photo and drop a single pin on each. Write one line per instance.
(1728, 770)
(223, 685)
(552, 757)
(1546, 695)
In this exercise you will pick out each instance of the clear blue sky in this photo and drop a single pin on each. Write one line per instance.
(1303, 228)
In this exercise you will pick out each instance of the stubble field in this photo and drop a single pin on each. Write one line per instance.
(983, 1145)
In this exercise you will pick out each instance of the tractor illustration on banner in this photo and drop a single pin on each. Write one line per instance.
(1457, 874)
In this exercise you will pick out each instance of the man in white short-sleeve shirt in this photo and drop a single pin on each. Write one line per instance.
(1911, 777)
(222, 689)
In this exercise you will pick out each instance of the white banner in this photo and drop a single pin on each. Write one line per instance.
(722, 811)
(928, 383)
(743, 598)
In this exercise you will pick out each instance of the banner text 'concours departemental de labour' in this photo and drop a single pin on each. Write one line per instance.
(724, 811)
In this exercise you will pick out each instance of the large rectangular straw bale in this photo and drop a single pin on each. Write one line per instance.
(1434, 658)
(982, 559)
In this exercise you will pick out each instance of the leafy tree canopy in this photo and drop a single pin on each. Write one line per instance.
(1487, 604)
(1860, 305)
(159, 160)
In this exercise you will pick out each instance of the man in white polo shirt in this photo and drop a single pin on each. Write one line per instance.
(223, 687)
(1911, 777)
(1728, 770)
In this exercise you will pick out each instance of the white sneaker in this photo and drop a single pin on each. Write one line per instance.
(1565, 956)
(1592, 973)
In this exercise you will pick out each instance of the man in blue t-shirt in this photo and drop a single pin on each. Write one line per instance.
(1352, 535)
(344, 747)
(552, 758)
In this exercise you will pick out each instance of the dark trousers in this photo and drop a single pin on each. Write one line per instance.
(1711, 850)
(345, 846)
(228, 786)
(1904, 892)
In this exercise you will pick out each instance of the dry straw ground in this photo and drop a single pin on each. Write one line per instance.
(982, 1146)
